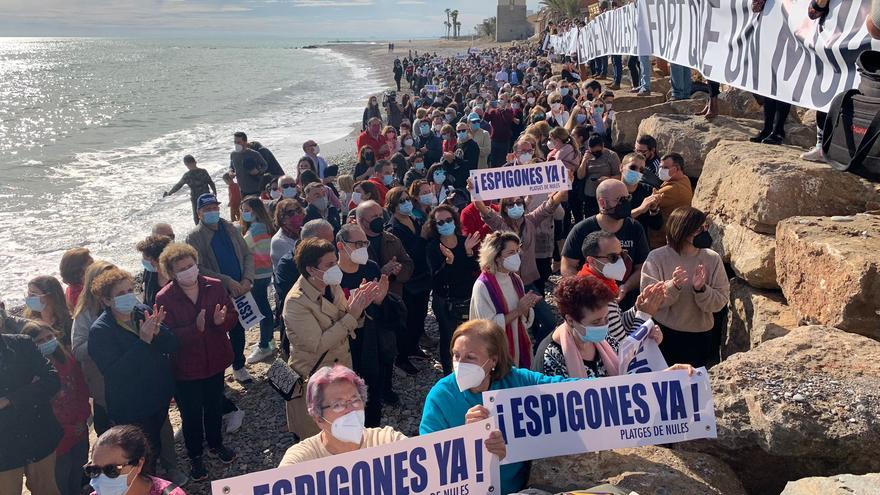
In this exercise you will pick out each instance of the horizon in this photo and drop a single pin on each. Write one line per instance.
(373, 20)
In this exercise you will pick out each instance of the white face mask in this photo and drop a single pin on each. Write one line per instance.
(512, 263)
(663, 174)
(332, 276)
(551, 144)
(360, 256)
(275, 194)
(468, 375)
(317, 149)
(614, 271)
(555, 106)
(188, 276)
(525, 158)
(238, 148)
(349, 428)
(356, 198)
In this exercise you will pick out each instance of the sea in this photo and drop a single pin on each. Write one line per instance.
(93, 130)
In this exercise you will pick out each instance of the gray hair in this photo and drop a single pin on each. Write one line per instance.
(342, 235)
(363, 207)
(325, 376)
(313, 228)
(590, 247)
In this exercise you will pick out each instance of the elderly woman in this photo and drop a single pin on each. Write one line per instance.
(119, 465)
(132, 350)
(46, 302)
(499, 294)
(319, 320)
(289, 218)
(696, 284)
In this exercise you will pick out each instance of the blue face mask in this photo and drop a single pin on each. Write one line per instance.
(475, 126)
(288, 192)
(632, 176)
(425, 129)
(462, 135)
(148, 266)
(581, 118)
(34, 304)
(104, 485)
(515, 212)
(48, 347)
(406, 207)
(563, 91)
(426, 199)
(420, 166)
(247, 216)
(594, 334)
(446, 229)
(125, 303)
(439, 178)
(387, 179)
(211, 217)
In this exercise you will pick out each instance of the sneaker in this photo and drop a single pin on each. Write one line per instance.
(644, 92)
(614, 86)
(814, 155)
(225, 455)
(241, 375)
(635, 89)
(177, 476)
(272, 345)
(773, 139)
(406, 366)
(757, 139)
(258, 354)
(198, 471)
(390, 397)
(234, 420)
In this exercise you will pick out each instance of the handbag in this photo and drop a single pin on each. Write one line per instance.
(287, 382)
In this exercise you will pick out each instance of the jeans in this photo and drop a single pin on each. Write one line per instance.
(260, 291)
(617, 60)
(68, 468)
(201, 411)
(645, 63)
(602, 66)
(681, 81)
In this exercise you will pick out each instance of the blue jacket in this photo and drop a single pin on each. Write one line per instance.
(138, 380)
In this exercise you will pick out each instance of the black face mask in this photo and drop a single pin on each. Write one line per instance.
(589, 97)
(376, 225)
(597, 154)
(703, 240)
(621, 211)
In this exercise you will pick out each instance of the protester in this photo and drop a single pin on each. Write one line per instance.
(28, 426)
(72, 268)
(558, 115)
(257, 228)
(646, 146)
(675, 192)
(319, 206)
(153, 279)
(71, 408)
(775, 117)
(383, 179)
(198, 180)
(119, 464)
(313, 151)
(372, 137)
(234, 196)
(482, 138)
(248, 166)
(696, 285)
(319, 320)
(200, 313)
(223, 254)
(46, 302)
(273, 168)
(364, 168)
(289, 218)
(371, 111)
(502, 120)
(597, 165)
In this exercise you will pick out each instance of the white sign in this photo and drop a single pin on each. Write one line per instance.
(607, 413)
(520, 180)
(430, 88)
(639, 353)
(453, 461)
(780, 53)
(248, 312)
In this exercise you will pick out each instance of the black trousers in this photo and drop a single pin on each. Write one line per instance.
(714, 88)
(416, 312)
(775, 115)
(236, 336)
(151, 426)
(100, 419)
(446, 324)
(201, 411)
(693, 348)
(635, 71)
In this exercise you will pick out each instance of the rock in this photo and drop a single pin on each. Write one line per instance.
(841, 484)
(646, 470)
(757, 186)
(768, 440)
(625, 101)
(830, 271)
(756, 316)
(735, 102)
(750, 254)
(625, 128)
(806, 116)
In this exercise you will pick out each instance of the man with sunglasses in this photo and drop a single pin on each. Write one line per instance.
(614, 217)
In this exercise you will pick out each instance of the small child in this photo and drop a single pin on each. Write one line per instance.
(234, 197)
(346, 187)
(199, 182)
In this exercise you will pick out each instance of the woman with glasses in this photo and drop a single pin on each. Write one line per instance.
(289, 218)
(118, 463)
(696, 284)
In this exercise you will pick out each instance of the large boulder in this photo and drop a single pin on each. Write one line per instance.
(750, 254)
(842, 484)
(738, 103)
(625, 101)
(756, 316)
(646, 470)
(625, 128)
(757, 186)
(829, 270)
(800, 405)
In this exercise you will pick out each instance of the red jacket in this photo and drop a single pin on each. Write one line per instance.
(383, 190)
(471, 221)
(71, 403)
(200, 354)
(449, 145)
(365, 139)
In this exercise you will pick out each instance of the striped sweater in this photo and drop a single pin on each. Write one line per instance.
(259, 240)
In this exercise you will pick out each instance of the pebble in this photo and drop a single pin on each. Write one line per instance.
(799, 398)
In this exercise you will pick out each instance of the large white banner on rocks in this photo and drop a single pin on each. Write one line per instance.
(780, 53)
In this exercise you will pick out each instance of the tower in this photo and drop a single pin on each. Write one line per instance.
(511, 22)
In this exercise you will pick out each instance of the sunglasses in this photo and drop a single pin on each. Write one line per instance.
(612, 257)
(444, 221)
(287, 186)
(111, 470)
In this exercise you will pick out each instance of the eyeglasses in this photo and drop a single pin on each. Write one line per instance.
(287, 186)
(613, 257)
(517, 203)
(443, 221)
(341, 406)
(357, 244)
(111, 470)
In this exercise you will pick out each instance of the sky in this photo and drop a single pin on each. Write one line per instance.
(336, 19)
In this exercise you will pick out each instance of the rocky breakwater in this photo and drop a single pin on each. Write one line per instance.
(797, 406)
(625, 128)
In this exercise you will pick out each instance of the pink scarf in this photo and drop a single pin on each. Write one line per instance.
(574, 362)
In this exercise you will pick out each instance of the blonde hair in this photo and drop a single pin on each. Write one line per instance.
(173, 253)
(345, 183)
(88, 301)
(492, 247)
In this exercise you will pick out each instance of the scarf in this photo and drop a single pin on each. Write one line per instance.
(517, 339)
(586, 271)
(574, 362)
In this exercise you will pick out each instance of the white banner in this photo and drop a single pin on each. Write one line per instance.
(519, 180)
(639, 353)
(607, 413)
(780, 53)
(248, 312)
(453, 461)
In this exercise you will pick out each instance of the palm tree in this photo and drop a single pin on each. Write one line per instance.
(457, 29)
(561, 9)
(447, 23)
(455, 24)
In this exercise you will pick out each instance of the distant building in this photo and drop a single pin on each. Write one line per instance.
(512, 23)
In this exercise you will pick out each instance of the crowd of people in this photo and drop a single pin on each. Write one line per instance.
(357, 261)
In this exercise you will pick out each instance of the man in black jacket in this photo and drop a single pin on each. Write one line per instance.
(28, 428)
(248, 166)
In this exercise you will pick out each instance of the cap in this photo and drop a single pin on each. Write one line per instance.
(205, 200)
(474, 117)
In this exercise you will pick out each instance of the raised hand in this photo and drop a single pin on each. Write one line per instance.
(219, 314)
(447, 253)
(650, 300)
(392, 267)
(472, 241)
(699, 278)
(679, 277)
(381, 289)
